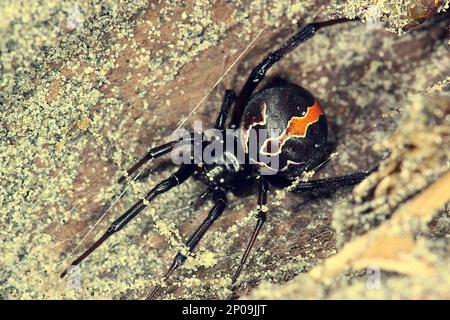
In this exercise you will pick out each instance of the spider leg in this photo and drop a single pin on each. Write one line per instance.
(155, 153)
(331, 183)
(160, 167)
(263, 188)
(320, 184)
(201, 199)
(228, 100)
(220, 200)
(180, 176)
(259, 72)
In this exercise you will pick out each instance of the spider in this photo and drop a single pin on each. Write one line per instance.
(300, 147)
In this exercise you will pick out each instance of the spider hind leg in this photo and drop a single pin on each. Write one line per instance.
(180, 176)
(220, 204)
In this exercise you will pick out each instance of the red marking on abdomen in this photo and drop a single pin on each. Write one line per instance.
(296, 127)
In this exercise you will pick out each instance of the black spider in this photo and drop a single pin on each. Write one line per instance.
(301, 146)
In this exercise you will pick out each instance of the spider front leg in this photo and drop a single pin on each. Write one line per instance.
(263, 188)
(156, 152)
(174, 180)
(220, 200)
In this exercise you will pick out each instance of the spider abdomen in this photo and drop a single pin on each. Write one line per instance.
(284, 129)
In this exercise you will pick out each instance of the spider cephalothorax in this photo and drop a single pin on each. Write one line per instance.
(294, 139)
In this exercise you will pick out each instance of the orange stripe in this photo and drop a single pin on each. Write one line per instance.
(296, 127)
